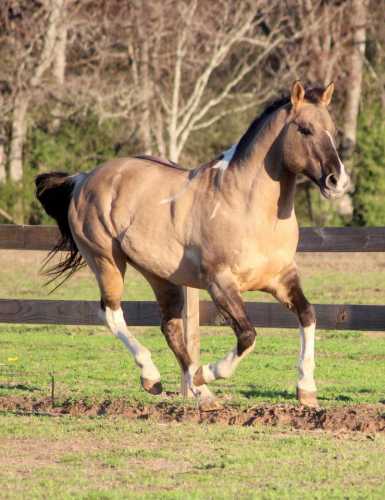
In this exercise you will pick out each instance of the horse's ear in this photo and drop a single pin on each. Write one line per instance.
(297, 94)
(327, 94)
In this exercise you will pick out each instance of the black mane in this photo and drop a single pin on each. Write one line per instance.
(246, 144)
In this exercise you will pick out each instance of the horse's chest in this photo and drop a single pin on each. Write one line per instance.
(258, 264)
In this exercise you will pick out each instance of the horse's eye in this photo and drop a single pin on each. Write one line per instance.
(304, 130)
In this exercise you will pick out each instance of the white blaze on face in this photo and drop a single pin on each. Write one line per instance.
(343, 179)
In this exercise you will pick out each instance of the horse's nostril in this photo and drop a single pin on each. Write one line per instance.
(331, 181)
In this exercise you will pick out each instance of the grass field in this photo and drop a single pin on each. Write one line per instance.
(121, 457)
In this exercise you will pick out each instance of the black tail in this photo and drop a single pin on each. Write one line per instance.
(54, 191)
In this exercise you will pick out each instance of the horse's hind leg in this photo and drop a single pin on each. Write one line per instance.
(170, 298)
(110, 275)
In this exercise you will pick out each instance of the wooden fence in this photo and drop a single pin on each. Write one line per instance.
(270, 315)
(146, 313)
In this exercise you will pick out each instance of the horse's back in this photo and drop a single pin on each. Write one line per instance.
(133, 179)
(139, 168)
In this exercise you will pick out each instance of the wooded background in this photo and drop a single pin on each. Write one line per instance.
(82, 81)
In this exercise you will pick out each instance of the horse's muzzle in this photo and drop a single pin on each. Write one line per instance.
(335, 185)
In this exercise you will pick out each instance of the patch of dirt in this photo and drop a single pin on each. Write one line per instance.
(27, 454)
(356, 418)
(30, 453)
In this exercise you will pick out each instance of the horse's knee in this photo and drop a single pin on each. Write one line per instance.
(246, 340)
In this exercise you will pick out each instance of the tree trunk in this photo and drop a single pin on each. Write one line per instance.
(145, 125)
(3, 157)
(22, 99)
(3, 161)
(359, 12)
(19, 125)
(353, 94)
(59, 57)
(59, 62)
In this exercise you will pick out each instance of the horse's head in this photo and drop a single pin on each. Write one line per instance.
(308, 145)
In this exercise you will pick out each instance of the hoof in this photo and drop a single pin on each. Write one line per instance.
(152, 386)
(307, 398)
(210, 404)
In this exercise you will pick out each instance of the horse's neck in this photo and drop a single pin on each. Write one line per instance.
(265, 183)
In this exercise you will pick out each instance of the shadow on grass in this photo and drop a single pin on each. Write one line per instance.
(255, 392)
(20, 387)
(344, 398)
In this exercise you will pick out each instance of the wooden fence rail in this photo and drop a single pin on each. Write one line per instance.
(312, 239)
(146, 313)
(262, 314)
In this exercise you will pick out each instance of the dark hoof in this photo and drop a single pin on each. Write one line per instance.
(307, 398)
(151, 386)
(210, 404)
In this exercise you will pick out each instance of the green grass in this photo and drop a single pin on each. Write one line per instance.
(89, 363)
(116, 458)
(106, 457)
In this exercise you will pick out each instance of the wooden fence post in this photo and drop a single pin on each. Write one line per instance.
(191, 330)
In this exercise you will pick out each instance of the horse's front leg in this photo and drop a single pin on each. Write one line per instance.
(227, 298)
(287, 289)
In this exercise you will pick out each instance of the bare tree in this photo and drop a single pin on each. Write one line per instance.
(34, 58)
(324, 36)
(187, 103)
(3, 160)
(3, 155)
(355, 61)
(183, 65)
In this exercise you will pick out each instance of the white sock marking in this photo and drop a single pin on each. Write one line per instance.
(306, 359)
(226, 366)
(202, 392)
(115, 321)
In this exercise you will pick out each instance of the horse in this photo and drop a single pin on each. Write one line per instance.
(227, 226)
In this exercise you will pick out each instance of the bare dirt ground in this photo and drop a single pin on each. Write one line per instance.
(358, 418)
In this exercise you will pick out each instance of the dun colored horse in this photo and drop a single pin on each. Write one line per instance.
(227, 227)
